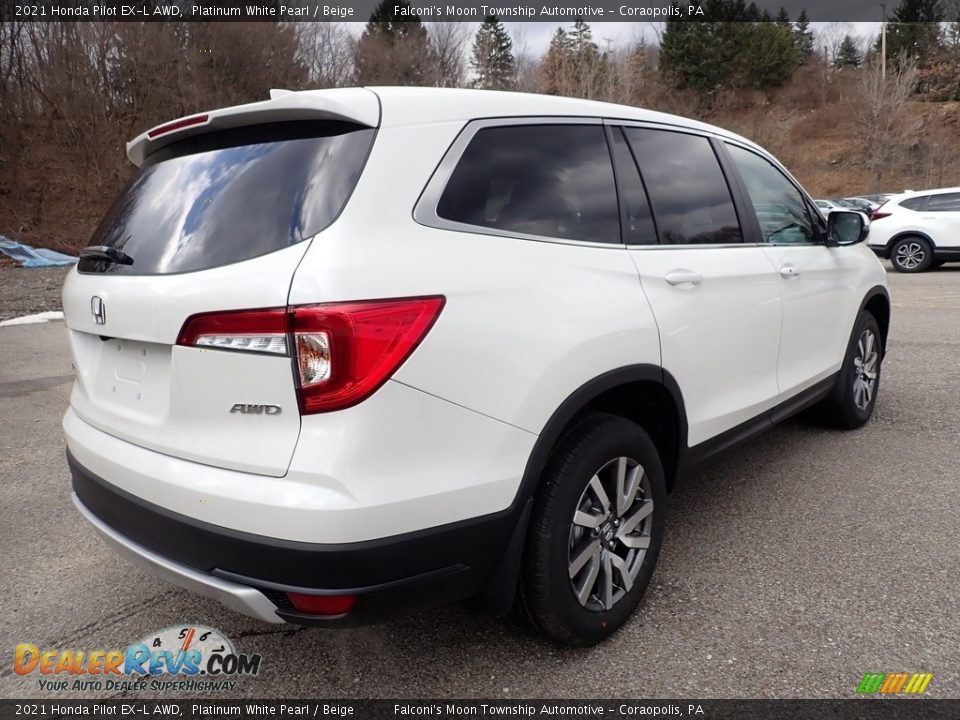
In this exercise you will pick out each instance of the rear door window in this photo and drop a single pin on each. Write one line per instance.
(947, 202)
(691, 201)
(543, 180)
(232, 195)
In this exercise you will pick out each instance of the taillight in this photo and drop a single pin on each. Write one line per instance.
(345, 352)
(248, 330)
(877, 215)
(342, 352)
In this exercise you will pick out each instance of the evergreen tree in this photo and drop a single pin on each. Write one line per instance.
(848, 54)
(580, 39)
(589, 68)
(394, 48)
(783, 18)
(556, 61)
(803, 38)
(573, 64)
(914, 32)
(692, 54)
(492, 60)
(389, 21)
(738, 51)
(768, 58)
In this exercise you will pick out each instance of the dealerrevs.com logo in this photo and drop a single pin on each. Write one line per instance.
(894, 683)
(176, 659)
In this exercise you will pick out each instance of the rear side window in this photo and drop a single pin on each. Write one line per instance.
(947, 202)
(232, 195)
(548, 180)
(915, 203)
(689, 194)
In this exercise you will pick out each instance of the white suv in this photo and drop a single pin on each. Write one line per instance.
(347, 352)
(918, 230)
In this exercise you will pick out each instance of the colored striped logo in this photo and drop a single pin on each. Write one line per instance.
(894, 683)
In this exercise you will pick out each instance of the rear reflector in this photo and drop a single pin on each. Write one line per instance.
(177, 125)
(321, 604)
(343, 352)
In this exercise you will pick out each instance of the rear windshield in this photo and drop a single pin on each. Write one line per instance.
(228, 196)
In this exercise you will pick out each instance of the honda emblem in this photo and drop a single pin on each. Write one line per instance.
(99, 310)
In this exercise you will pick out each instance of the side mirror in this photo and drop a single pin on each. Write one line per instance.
(846, 227)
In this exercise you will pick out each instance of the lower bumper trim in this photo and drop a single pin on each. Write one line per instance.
(243, 599)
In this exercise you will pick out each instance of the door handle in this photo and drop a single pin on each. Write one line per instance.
(789, 271)
(680, 277)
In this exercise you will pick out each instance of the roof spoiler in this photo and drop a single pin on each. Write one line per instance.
(356, 105)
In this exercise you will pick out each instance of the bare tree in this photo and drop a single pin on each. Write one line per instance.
(449, 42)
(831, 37)
(880, 103)
(525, 62)
(326, 51)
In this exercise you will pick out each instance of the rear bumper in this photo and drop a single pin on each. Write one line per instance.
(880, 251)
(237, 597)
(250, 573)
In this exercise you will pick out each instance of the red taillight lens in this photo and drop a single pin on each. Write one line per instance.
(877, 215)
(321, 604)
(345, 352)
(342, 352)
(248, 330)
(177, 125)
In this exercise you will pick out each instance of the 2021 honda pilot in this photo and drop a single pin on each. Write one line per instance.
(345, 352)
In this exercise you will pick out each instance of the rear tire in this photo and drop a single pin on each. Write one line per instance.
(855, 395)
(595, 533)
(911, 255)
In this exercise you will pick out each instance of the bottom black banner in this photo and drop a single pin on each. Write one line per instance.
(892, 709)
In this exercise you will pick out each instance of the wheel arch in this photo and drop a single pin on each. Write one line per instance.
(645, 394)
(903, 234)
(620, 391)
(877, 303)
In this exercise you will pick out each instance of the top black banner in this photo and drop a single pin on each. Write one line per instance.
(427, 10)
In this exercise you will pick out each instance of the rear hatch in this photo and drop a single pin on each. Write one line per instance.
(215, 221)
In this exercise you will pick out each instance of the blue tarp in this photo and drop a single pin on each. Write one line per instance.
(33, 257)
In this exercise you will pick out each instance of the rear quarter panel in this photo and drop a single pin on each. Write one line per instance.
(525, 324)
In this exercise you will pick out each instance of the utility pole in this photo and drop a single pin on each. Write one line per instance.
(883, 43)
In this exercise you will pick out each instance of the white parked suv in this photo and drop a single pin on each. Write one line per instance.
(347, 352)
(918, 230)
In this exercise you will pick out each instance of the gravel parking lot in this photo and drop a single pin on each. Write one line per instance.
(790, 568)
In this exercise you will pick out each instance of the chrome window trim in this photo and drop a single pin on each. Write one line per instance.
(695, 246)
(425, 211)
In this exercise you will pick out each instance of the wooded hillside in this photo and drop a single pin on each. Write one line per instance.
(72, 94)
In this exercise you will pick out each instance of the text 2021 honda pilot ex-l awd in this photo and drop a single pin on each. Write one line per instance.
(345, 352)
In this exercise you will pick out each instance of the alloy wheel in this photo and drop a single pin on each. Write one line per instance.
(865, 370)
(910, 255)
(610, 534)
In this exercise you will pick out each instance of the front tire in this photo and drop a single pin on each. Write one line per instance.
(595, 533)
(853, 399)
(911, 255)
